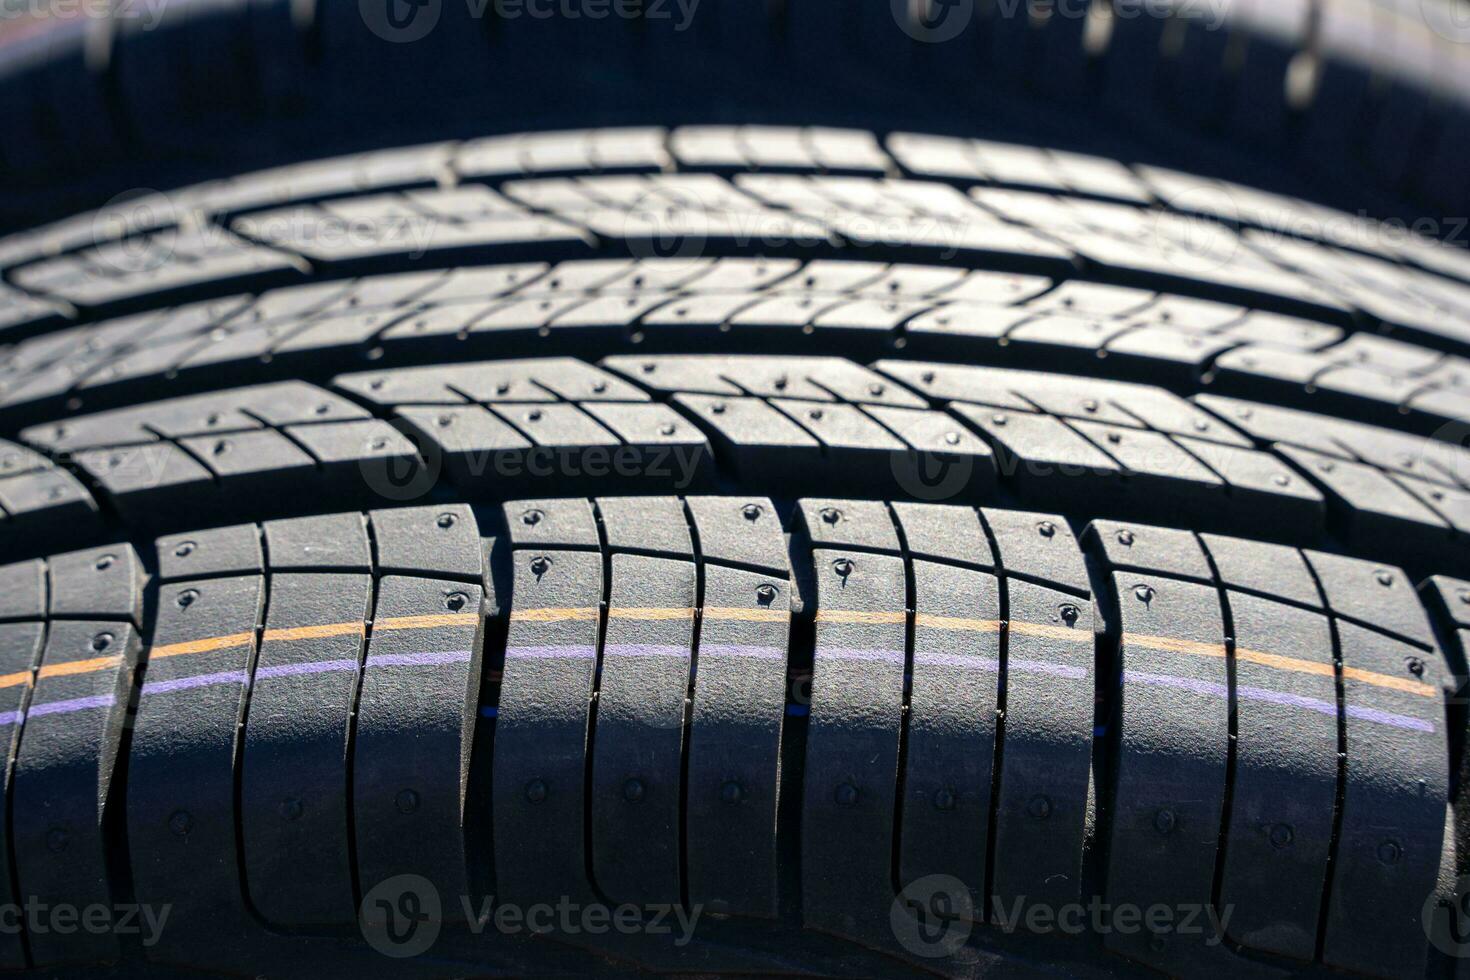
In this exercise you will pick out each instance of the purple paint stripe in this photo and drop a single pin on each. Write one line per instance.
(645, 650)
(198, 680)
(569, 652)
(11, 717)
(852, 653)
(741, 650)
(317, 667)
(991, 665)
(1318, 705)
(70, 705)
(1389, 718)
(429, 659)
(1022, 666)
(965, 661)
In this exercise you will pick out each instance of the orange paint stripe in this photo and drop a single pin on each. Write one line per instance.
(15, 679)
(958, 623)
(321, 631)
(554, 614)
(90, 666)
(650, 613)
(1276, 661)
(1389, 681)
(736, 614)
(1049, 631)
(861, 616)
(208, 645)
(432, 621)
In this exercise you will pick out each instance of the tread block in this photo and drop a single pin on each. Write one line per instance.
(1285, 789)
(636, 780)
(850, 782)
(542, 729)
(63, 789)
(861, 524)
(1042, 805)
(432, 542)
(23, 590)
(1173, 739)
(293, 786)
(854, 445)
(953, 708)
(47, 504)
(1393, 806)
(650, 524)
(354, 456)
(98, 583)
(1031, 450)
(1379, 595)
(1261, 482)
(528, 380)
(148, 480)
(416, 717)
(334, 541)
(734, 753)
(1039, 546)
(937, 446)
(476, 447)
(1158, 550)
(249, 464)
(944, 533)
(761, 444)
(556, 523)
(20, 655)
(181, 821)
(1378, 512)
(740, 531)
(1271, 569)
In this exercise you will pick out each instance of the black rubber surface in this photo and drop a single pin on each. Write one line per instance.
(852, 563)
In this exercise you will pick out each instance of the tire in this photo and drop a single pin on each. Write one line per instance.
(1363, 106)
(733, 550)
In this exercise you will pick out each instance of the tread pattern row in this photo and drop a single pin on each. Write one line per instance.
(593, 700)
(654, 423)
